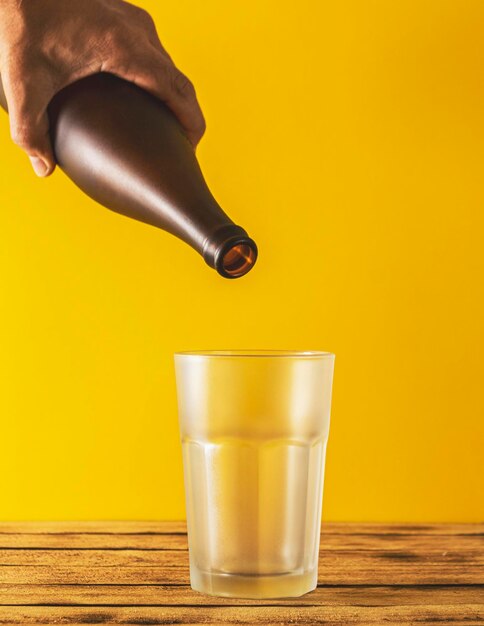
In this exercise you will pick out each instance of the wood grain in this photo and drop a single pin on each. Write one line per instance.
(330, 559)
(345, 573)
(307, 615)
(137, 573)
(162, 541)
(177, 595)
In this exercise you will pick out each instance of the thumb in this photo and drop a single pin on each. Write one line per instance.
(32, 136)
(40, 167)
(29, 126)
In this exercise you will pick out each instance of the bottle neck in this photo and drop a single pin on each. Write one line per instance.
(230, 251)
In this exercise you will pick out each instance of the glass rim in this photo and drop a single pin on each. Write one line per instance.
(295, 354)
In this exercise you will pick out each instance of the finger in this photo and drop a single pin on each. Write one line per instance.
(165, 81)
(184, 103)
(178, 93)
(29, 125)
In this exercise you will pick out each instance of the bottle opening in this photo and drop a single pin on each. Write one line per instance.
(238, 260)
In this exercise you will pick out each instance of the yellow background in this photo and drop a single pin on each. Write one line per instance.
(348, 138)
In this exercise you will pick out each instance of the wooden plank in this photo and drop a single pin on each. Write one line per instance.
(310, 615)
(166, 595)
(137, 573)
(94, 558)
(92, 541)
(94, 576)
(383, 559)
(350, 568)
(111, 527)
(163, 527)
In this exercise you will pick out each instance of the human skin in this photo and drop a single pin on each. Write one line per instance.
(47, 44)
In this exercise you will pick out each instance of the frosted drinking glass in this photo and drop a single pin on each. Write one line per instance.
(254, 428)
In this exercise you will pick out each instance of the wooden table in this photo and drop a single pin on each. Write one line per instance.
(137, 573)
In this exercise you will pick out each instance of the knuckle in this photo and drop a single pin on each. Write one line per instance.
(183, 85)
(145, 17)
(109, 35)
(111, 39)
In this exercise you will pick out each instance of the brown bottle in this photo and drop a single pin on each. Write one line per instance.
(124, 148)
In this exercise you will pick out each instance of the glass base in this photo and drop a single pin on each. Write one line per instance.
(291, 585)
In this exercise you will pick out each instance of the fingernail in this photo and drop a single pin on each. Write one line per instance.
(40, 166)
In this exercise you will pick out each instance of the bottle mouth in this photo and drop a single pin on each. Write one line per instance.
(236, 258)
(230, 251)
(239, 260)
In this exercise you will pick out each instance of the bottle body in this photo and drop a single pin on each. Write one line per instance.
(125, 149)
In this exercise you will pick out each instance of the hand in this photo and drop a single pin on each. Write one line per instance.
(46, 45)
